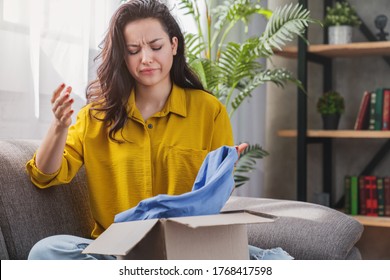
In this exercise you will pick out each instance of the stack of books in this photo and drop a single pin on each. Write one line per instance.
(367, 195)
(374, 111)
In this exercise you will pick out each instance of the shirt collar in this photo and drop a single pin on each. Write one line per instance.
(176, 104)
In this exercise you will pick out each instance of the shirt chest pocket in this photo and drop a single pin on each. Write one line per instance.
(181, 167)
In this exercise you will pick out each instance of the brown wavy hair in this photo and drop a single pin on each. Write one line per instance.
(110, 92)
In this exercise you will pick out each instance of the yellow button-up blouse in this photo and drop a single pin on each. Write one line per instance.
(161, 155)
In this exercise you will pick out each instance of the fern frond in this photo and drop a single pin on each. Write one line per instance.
(247, 162)
(187, 6)
(277, 76)
(284, 24)
(195, 46)
(236, 64)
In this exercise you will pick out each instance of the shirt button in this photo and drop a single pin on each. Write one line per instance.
(150, 126)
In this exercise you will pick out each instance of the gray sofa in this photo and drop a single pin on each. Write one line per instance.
(28, 214)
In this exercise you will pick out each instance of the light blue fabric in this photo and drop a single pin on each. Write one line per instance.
(212, 188)
(64, 247)
(277, 253)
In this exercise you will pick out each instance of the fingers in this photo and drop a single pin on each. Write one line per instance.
(240, 148)
(61, 105)
(57, 92)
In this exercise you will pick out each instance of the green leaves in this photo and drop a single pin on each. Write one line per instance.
(232, 70)
(341, 14)
(284, 25)
(330, 103)
(247, 163)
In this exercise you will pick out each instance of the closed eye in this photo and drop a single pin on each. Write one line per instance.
(131, 52)
(156, 48)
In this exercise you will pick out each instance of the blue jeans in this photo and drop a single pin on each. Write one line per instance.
(64, 247)
(68, 247)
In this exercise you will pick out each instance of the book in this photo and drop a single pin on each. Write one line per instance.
(381, 196)
(371, 195)
(362, 197)
(354, 196)
(386, 110)
(386, 189)
(363, 113)
(371, 115)
(347, 194)
(378, 109)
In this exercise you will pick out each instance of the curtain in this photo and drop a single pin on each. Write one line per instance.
(45, 43)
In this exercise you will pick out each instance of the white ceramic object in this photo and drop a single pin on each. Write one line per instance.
(340, 34)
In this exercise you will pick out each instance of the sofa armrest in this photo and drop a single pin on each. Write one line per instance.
(28, 214)
(305, 230)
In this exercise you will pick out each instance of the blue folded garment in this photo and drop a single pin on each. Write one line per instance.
(213, 186)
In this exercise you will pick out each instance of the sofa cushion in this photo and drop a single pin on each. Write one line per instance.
(28, 214)
(3, 248)
(304, 230)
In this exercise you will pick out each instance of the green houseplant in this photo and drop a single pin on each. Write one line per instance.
(340, 20)
(231, 70)
(330, 105)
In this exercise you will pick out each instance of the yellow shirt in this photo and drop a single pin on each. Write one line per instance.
(159, 156)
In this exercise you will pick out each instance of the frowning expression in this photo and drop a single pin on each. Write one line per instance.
(150, 52)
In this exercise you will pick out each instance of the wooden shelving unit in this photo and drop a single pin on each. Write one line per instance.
(337, 133)
(324, 54)
(374, 239)
(373, 221)
(348, 50)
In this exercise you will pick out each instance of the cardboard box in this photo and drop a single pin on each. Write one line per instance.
(222, 236)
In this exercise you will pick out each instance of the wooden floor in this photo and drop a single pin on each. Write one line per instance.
(375, 243)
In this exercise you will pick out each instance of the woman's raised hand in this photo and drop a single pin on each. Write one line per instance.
(62, 105)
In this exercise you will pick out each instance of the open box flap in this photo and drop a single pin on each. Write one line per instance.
(226, 218)
(119, 238)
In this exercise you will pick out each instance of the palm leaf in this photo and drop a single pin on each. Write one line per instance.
(284, 24)
(194, 46)
(187, 6)
(277, 76)
(247, 162)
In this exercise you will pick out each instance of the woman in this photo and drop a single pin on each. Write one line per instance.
(146, 129)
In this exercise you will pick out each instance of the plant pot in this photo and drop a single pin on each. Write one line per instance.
(340, 34)
(331, 122)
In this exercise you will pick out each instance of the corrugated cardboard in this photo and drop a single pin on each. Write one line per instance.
(222, 236)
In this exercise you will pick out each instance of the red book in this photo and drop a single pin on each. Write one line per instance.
(386, 188)
(362, 197)
(371, 195)
(386, 110)
(363, 113)
(381, 196)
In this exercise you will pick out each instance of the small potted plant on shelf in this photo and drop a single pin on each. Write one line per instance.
(340, 20)
(331, 105)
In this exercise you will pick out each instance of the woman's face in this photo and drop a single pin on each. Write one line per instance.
(149, 52)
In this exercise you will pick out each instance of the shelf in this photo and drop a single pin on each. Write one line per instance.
(373, 221)
(338, 133)
(347, 50)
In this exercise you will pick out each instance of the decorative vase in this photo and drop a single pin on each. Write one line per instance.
(340, 34)
(331, 122)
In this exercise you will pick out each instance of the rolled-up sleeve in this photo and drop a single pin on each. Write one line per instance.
(72, 158)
